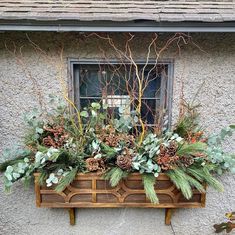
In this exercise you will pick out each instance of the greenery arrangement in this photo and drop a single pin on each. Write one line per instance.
(63, 143)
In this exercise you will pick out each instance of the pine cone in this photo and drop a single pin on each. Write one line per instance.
(172, 149)
(128, 139)
(102, 166)
(93, 164)
(112, 138)
(186, 161)
(163, 149)
(167, 158)
(124, 161)
(109, 139)
(167, 162)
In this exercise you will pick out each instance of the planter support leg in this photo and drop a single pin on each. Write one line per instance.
(72, 216)
(168, 214)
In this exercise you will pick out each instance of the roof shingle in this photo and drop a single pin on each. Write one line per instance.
(119, 10)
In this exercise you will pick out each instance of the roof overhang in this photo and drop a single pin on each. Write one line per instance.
(111, 26)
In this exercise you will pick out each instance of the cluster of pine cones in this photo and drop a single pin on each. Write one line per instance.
(95, 164)
(56, 136)
(168, 159)
(124, 161)
(112, 139)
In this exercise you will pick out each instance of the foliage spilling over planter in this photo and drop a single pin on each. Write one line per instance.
(60, 144)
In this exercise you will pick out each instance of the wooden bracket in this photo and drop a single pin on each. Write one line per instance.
(72, 216)
(168, 214)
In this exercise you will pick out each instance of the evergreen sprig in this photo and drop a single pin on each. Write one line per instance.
(66, 180)
(149, 181)
(115, 175)
(191, 149)
(180, 179)
(203, 174)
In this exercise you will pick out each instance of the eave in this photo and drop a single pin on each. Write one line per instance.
(111, 26)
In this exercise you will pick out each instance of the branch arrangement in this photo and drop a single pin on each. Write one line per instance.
(56, 148)
(66, 140)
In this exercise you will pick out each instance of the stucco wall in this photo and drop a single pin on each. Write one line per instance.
(20, 84)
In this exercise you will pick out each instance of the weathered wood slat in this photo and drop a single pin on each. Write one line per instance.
(120, 205)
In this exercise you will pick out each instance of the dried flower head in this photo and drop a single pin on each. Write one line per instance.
(56, 136)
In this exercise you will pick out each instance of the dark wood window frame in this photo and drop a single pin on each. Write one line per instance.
(73, 74)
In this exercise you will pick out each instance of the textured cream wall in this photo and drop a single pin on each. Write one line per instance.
(18, 94)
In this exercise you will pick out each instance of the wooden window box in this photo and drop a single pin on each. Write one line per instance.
(91, 191)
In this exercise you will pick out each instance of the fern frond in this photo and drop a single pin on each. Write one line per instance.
(149, 182)
(191, 149)
(66, 180)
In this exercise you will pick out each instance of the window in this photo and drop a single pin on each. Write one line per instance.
(116, 86)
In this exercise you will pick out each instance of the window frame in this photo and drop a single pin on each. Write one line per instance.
(169, 89)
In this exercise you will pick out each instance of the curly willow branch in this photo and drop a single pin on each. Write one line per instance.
(126, 56)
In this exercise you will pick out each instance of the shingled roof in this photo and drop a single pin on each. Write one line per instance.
(119, 10)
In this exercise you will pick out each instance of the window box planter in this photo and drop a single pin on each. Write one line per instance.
(92, 191)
